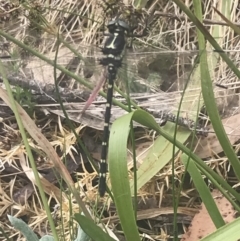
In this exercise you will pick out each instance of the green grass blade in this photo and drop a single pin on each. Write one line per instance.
(117, 160)
(139, 4)
(209, 100)
(91, 229)
(20, 225)
(230, 24)
(159, 155)
(203, 191)
(218, 182)
(13, 105)
(147, 120)
(208, 36)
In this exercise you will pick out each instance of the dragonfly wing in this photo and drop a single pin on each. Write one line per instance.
(149, 70)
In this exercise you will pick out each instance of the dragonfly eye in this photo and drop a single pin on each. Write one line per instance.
(123, 24)
(117, 25)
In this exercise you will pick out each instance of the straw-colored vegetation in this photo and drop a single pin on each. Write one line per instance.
(81, 24)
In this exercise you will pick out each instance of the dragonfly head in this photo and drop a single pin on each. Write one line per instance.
(117, 25)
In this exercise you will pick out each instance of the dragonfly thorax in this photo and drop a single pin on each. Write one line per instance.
(115, 43)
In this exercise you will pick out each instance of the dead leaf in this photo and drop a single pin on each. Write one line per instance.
(210, 145)
(48, 187)
(156, 212)
(202, 224)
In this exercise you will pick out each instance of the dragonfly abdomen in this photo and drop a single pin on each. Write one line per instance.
(113, 50)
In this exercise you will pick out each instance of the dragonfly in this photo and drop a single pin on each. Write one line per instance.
(113, 51)
(147, 70)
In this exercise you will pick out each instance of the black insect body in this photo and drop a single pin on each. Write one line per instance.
(113, 50)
